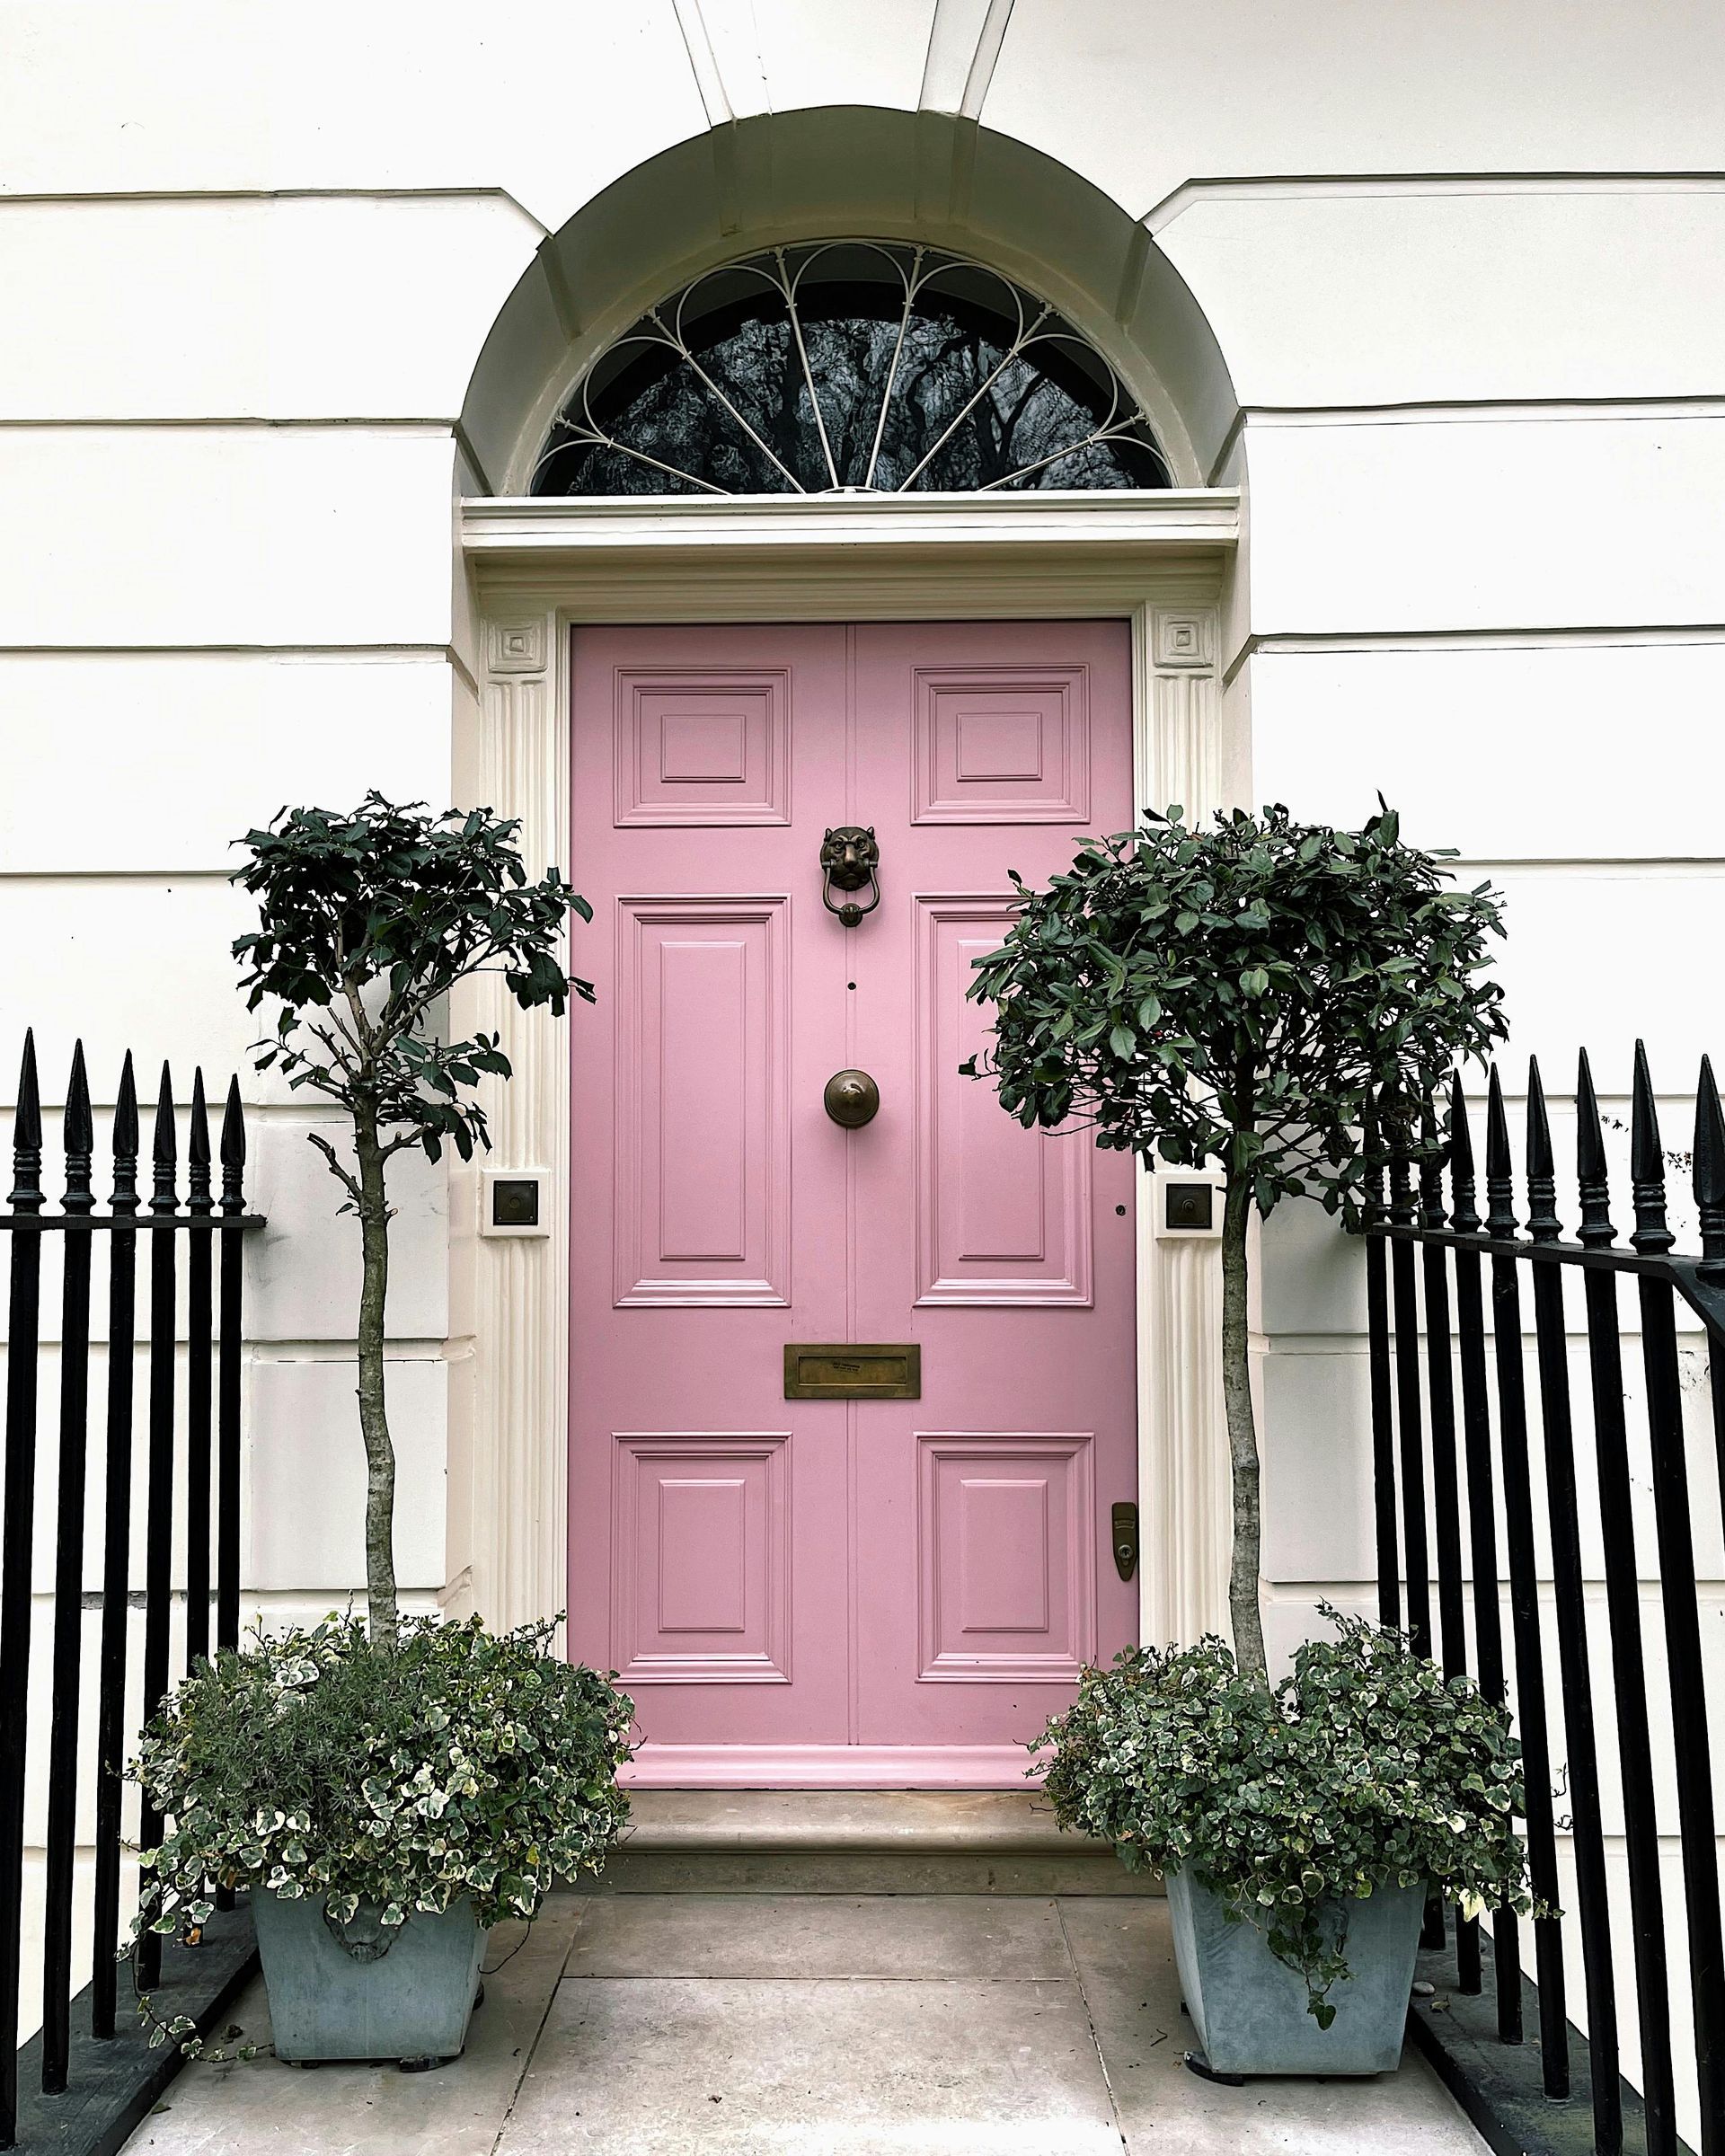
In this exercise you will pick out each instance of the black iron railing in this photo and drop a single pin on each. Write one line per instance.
(1431, 1257)
(210, 1225)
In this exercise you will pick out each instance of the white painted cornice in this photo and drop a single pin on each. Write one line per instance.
(506, 538)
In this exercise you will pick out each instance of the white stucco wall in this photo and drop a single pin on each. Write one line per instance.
(1461, 264)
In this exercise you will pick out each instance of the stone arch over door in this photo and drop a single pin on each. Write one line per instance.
(846, 172)
(533, 566)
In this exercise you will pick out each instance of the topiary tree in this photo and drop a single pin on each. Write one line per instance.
(368, 920)
(1241, 995)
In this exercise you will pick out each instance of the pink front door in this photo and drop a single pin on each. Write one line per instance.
(876, 1590)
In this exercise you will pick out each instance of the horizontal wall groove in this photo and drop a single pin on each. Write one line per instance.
(1466, 411)
(1279, 643)
(446, 652)
(434, 428)
(1291, 186)
(120, 196)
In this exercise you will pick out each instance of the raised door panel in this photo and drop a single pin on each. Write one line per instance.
(1001, 744)
(1003, 1213)
(701, 1555)
(701, 747)
(702, 1166)
(1006, 1590)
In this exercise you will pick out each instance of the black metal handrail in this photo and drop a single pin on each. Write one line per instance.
(1413, 1370)
(212, 1225)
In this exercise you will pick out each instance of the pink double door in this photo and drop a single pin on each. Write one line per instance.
(858, 1590)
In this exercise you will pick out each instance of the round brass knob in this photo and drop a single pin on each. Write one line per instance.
(851, 1099)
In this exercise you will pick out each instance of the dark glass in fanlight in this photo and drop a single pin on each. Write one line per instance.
(662, 405)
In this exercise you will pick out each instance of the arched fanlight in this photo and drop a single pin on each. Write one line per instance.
(849, 366)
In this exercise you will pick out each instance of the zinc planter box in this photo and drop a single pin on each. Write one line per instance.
(412, 2000)
(1250, 2009)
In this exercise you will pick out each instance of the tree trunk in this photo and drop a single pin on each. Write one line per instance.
(373, 1419)
(1242, 1433)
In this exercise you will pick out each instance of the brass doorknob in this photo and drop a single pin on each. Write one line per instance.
(851, 1099)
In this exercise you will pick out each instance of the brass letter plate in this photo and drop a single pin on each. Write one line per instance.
(843, 1370)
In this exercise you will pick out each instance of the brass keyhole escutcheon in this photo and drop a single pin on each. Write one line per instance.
(851, 1099)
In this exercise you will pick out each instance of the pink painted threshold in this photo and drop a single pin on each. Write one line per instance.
(865, 1592)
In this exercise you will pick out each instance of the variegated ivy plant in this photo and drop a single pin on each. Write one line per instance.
(1364, 1768)
(463, 1766)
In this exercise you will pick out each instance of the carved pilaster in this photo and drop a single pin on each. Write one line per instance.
(516, 1391)
(1183, 1472)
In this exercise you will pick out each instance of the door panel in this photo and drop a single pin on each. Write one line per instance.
(862, 1589)
(1005, 1213)
(703, 1147)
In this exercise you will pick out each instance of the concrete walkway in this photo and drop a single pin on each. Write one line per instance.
(776, 2025)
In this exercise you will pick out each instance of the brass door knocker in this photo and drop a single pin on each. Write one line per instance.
(850, 861)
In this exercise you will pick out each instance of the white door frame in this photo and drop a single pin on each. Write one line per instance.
(533, 568)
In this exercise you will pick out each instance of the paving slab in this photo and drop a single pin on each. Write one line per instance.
(660, 2067)
(911, 1938)
(245, 2108)
(1123, 1952)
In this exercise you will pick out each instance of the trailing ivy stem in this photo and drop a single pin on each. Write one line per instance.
(374, 1418)
(1243, 1431)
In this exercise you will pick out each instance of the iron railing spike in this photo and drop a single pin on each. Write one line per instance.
(233, 1151)
(164, 1148)
(27, 1123)
(1499, 1175)
(78, 1126)
(1647, 1163)
(198, 1196)
(79, 1132)
(27, 1136)
(1543, 1224)
(198, 1141)
(1464, 1214)
(1590, 1170)
(125, 1130)
(1432, 1214)
(1710, 1174)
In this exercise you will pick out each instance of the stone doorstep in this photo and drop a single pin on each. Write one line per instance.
(856, 1842)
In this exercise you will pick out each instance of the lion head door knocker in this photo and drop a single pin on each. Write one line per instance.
(850, 861)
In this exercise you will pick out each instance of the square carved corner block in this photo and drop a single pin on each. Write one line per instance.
(517, 646)
(1181, 638)
(1002, 745)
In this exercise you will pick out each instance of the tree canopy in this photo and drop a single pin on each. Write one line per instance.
(1241, 993)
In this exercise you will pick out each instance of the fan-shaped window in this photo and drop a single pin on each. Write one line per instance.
(848, 367)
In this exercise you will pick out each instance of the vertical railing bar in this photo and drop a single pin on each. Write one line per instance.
(1481, 1514)
(1524, 1598)
(1568, 1604)
(61, 1854)
(158, 1556)
(227, 1406)
(1440, 1393)
(16, 1539)
(1409, 1419)
(228, 1387)
(1397, 1123)
(1685, 1664)
(1709, 1159)
(1377, 1329)
(200, 1257)
(1623, 1620)
(116, 1529)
